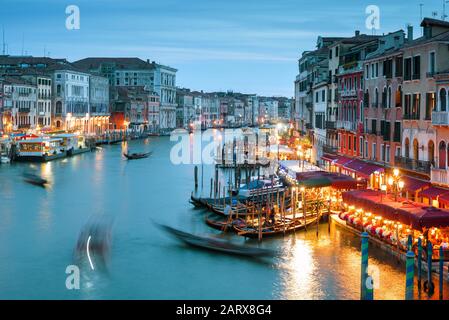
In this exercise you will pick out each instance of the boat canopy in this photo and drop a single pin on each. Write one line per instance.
(319, 179)
(416, 215)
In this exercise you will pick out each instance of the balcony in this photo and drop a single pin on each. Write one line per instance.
(348, 93)
(347, 125)
(330, 125)
(410, 116)
(330, 149)
(24, 110)
(413, 165)
(440, 118)
(440, 176)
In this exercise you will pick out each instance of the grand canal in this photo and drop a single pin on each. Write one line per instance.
(39, 229)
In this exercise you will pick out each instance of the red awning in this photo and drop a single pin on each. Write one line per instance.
(329, 157)
(342, 160)
(326, 179)
(433, 193)
(417, 215)
(354, 165)
(368, 169)
(413, 185)
(444, 199)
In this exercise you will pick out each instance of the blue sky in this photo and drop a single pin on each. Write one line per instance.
(250, 46)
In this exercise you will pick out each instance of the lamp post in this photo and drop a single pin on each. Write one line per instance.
(383, 188)
(395, 182)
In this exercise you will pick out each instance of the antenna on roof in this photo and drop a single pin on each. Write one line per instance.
(421, 5)
(23, 42)
(444, 16)
(4, 44)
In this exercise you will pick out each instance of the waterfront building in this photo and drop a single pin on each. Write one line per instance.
(268, 109)
(1, 106)
(350, 77)
(185, 111)
(337, 52)
(44, 86)
(131, 72)
(423, 59)
(130, 108)
(98, 104)
(303, 112)
(71, 99)
(19, 104)
(165, 87)
(382, 102)
(153, 112)
(285, 107)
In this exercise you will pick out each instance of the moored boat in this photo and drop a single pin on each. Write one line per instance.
(134, 156)
(218, 245)
(40, 149)
(276, 229)
(224, 224)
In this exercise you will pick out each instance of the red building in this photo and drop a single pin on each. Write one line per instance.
(350, 104)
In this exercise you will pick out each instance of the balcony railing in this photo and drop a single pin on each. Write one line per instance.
(439, 176)
(329, 149)
(410, 116)
(330, 125)
(347, 125)
(348, 93)
(440, 118)
(413, 165)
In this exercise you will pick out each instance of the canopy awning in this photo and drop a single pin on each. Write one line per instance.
(368, 169)
(342, 160)
(329, 157)
(416, 215)
(319, 179)
(444, 199)
(433, 193)
(413, 184)
(354, 165)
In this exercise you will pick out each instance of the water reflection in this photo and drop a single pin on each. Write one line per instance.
(39, 228)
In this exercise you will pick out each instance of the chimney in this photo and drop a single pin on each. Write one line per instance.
(357, 33)
(410, 33)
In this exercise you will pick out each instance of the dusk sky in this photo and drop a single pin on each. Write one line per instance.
(250, 46)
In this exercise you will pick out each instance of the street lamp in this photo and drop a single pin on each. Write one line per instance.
(395, 182)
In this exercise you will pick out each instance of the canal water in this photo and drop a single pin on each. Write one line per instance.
(39, 229)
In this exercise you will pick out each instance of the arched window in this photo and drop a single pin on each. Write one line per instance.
(407, 148)
(442, 155)
(415, 150)
(366, 99)
(431, 152)
(384, 97)
(354, 112)
(398, 98)
(361, 111)
(389, 98)
(443, 101)
(58, 109)
(376, 98)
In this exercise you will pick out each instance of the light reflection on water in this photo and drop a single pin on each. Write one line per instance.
(39, 229)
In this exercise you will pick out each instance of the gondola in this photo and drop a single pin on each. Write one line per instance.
(224, 224)
(219, 245)
(134, 156)
(35, 180)
(276, 230)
